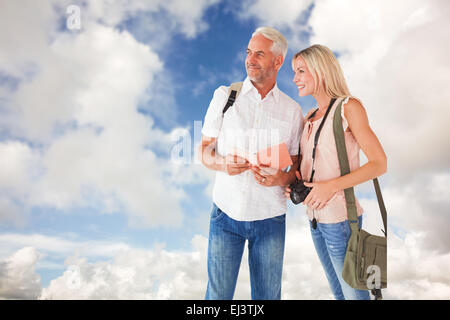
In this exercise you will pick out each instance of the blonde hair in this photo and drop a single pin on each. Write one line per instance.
(325, 70)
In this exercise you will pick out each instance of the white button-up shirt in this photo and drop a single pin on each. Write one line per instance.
(251, 125)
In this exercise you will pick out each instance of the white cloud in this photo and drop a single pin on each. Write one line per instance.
(60, 246)
(188, 14)
(84, 143)
(284, 14)
(90, 146)
(33, 24)
(186, 17)
(16, 165)
(135, 274)
(289, 17)
(104, 139)
(303, 276)
(415, 271)
(18, 279)
(17, 171)
(78, 82)
(11, 213)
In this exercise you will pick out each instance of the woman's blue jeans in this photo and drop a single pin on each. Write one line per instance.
(227, 238)
(330, 240)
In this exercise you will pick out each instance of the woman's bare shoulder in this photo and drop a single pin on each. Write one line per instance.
(355, 113)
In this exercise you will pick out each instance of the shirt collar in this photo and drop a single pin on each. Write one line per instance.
(247, 86)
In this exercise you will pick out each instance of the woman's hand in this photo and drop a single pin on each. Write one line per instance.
(320, 194)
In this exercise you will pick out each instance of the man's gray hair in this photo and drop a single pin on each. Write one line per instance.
(280, 44)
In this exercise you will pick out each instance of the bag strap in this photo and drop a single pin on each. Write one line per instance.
(381, 204)
(345, 169)
(233, 92)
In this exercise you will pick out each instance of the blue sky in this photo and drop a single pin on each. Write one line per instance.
(89, 116)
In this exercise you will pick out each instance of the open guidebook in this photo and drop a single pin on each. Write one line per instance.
(269, 160)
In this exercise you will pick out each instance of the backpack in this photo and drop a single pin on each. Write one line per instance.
(233, 92)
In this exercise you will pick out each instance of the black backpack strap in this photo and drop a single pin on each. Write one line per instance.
(233, 93)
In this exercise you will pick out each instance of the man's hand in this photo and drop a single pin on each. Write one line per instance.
(235, 164)
(267, 176)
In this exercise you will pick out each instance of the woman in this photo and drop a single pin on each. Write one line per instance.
(318, 73)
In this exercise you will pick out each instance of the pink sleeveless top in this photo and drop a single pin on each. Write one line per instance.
(327, 163)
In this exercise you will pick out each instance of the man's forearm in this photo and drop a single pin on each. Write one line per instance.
(210, 159)
(289, 177)
(286, 178)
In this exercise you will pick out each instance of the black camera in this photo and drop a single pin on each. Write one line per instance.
(299, 192)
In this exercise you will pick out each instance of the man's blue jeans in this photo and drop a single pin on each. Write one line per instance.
(227, 238)
(330, 240)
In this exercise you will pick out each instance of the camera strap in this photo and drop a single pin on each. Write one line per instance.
(316, 138)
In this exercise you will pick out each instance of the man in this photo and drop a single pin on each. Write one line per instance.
(249, 202)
